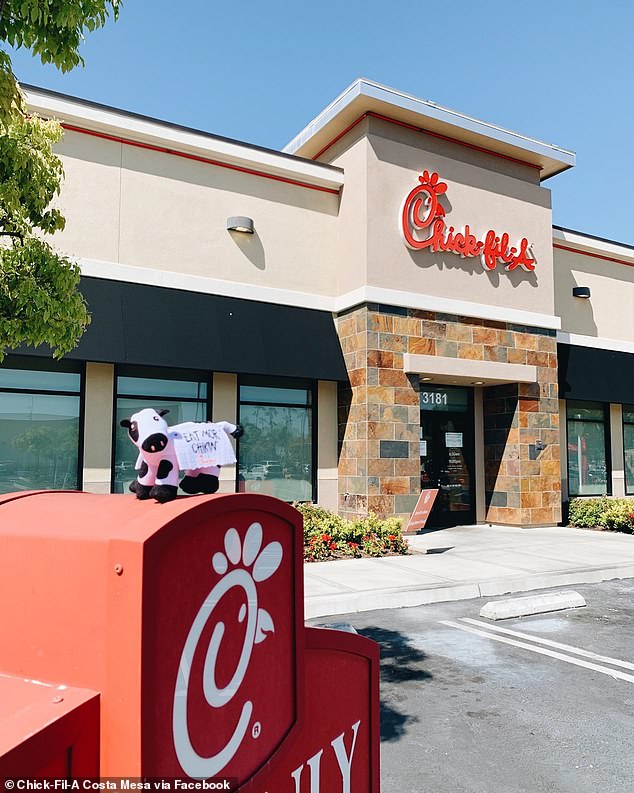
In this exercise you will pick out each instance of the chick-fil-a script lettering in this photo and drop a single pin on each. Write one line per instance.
(423, 227)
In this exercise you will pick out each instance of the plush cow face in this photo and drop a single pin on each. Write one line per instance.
(148, 430)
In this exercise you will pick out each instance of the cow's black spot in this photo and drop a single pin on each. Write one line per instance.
(164, 468)
(133, 432)
(143, 470)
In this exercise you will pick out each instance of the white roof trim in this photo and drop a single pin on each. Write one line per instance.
(113, 271)
(596, 342)
(368, 294)
(74, 111)
(445, 305)
(593, 245)
(423, 107)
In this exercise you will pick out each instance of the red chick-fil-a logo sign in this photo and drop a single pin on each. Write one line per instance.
(423, 227)
(236, 686)
(253, 564)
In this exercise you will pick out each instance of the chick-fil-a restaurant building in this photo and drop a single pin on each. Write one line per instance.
(384, 305)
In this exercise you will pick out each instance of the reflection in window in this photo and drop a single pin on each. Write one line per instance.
(628, 447)
(276, 451)
(183, 394)
(587, 467)
(39, 426)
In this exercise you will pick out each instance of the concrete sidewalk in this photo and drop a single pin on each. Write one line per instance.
(468, 562)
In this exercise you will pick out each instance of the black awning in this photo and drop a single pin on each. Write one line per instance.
(156, 326)
(596, 375)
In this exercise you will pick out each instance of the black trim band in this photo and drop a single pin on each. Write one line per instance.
(156, 326)
(595, 375)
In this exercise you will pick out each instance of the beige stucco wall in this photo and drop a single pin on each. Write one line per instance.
(483, 191)
(481, 197)
(148, 209)
(609, 312)
(327, 472)
(98, 418)
(617, 460)
(352, 227)
(224, 407)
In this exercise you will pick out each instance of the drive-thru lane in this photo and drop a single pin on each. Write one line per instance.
(543, 703)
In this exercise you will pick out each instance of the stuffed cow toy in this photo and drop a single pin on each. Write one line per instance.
(200, 449)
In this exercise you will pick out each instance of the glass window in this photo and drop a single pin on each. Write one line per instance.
(588, 473)
(39, 425)
(186, 400)
(276, 452)
(628, 447)
(154, 387)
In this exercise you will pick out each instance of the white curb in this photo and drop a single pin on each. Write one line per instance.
(533, 604)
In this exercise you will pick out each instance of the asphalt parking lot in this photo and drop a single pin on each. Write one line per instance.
(542, 703)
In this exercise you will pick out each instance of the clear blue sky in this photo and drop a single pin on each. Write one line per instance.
(561, 71)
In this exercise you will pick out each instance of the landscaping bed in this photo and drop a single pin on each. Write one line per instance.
(603, 513)
(329, 536)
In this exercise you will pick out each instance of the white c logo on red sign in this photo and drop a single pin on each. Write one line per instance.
(259, 624)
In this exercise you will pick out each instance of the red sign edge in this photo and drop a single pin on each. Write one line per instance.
(328, 639)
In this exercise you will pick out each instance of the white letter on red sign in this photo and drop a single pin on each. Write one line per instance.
(315, 768)
(345, 762)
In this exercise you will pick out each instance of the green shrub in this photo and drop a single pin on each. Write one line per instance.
(587, 512)
(616, 514)
(619, 516)
(329, 536)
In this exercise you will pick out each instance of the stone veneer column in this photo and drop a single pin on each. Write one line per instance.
(379, 464)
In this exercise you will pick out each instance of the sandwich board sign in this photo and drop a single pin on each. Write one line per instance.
(423, 508)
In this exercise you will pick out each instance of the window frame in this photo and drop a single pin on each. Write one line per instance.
(264, 381)
(37, 364)
(625, 424)
(607, 443)
(157, 373)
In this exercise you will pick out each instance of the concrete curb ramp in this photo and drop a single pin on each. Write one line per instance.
(399, 597)
(533, 604)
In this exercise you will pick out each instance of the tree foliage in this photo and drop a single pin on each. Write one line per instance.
(39, 301)
(52, 30)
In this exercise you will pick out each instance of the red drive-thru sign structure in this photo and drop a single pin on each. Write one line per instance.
(146, 640)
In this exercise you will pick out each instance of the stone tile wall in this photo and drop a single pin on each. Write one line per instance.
(379, 419)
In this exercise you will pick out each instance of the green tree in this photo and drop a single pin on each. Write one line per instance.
(51, 29)
(39, 300)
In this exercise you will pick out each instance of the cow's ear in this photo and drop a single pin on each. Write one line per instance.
(125, 423)
(163, 412)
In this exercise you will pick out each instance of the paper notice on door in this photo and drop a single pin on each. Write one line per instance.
(453, 440)
(423, 448)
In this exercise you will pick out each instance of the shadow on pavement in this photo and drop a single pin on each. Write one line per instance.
(401, 666)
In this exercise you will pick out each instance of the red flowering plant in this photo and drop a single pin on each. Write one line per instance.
(329, 536)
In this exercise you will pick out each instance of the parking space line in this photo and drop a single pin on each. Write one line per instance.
(614, 673)
(550, 643)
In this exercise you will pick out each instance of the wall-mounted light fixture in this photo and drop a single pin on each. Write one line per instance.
(581, 291)
(241, 224)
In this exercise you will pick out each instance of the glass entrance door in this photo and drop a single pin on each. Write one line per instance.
(447, 453)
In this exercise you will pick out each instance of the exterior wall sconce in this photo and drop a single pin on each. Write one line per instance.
(240, 223)
(581, 291)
